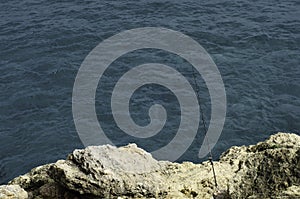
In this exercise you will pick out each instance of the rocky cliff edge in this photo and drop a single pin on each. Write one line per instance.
(269, 169)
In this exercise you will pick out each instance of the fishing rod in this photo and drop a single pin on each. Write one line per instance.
(205, 128)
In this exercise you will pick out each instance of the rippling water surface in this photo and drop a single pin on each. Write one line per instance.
(255, 45)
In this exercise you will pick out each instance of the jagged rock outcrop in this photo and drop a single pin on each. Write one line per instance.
(270, 169)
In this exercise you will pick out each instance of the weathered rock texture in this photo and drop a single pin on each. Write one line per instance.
(270, 169)
(12, 192)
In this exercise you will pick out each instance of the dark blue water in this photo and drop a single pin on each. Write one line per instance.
(255, 45)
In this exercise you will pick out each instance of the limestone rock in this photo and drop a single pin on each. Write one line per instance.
(269, 169)
(12, 192)
(109, 171)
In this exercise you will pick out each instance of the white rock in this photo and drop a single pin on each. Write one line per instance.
(12, 192)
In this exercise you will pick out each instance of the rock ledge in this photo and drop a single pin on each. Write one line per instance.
(269, 169)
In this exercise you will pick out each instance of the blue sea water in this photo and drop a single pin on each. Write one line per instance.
(255, 45)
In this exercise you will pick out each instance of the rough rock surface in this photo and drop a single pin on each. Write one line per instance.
(270, 169)
(12, 192)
